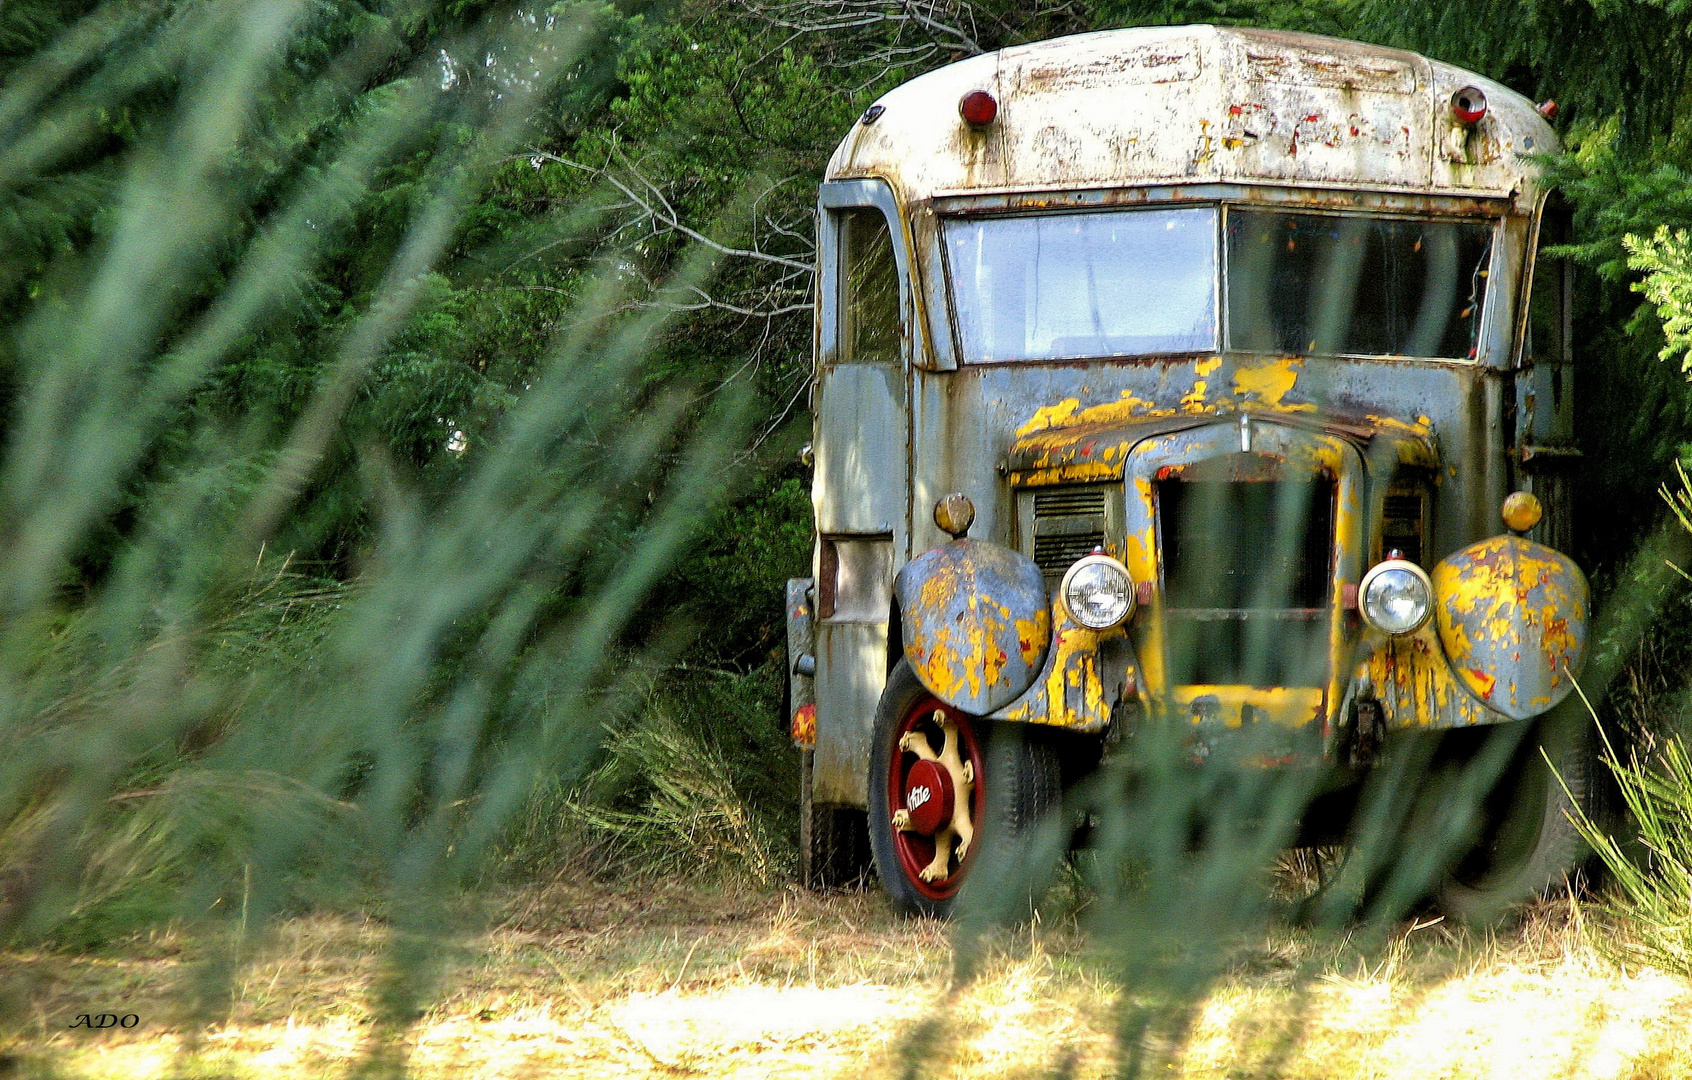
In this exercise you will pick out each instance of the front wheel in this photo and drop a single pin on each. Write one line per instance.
(950, 792)
(1527, 841)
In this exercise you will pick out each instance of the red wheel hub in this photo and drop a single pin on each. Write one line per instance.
(935, 796)
(928, 797)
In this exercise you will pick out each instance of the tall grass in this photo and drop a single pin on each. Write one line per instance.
(680, 787)
(1650, 862)
(1651, 894)
(197, 734)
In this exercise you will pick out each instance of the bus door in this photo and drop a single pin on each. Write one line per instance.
(861, 439)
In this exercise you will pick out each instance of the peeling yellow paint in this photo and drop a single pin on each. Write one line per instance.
(1069, 692)
(1030, 633)
(1193, 400)
(1416, 687)
(1139, 554)
(1421, 427)
(1289, 706)
(1048, 416)
(1069, 411)
(1079, 472)
(1511, 615)
(1270, 383)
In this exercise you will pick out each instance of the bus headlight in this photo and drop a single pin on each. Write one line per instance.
(1395, 596)
(1097, 592)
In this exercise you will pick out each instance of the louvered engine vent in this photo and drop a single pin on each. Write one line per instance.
(1068, 523)
(1401, 526)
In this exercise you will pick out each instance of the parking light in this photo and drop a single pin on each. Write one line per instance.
(1522, 511)
(1468, 105)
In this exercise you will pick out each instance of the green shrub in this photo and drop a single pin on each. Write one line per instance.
(1652, 880)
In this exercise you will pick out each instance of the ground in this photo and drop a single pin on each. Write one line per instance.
(686, 979)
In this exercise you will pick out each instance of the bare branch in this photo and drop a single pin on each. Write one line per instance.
(655, 206)
(782, 285)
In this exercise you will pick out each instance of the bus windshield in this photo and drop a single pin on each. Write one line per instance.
(1062, 286)
(1143, 282)
(1335, 284)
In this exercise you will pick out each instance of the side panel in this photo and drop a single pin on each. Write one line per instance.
(859, 484)
(851, 670)
(1545, 438)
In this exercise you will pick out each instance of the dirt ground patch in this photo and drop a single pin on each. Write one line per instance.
(718, 981)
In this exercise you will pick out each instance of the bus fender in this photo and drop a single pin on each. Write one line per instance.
(1512, 616)
(976, 623)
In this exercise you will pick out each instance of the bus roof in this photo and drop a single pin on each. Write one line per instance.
(1197, 104)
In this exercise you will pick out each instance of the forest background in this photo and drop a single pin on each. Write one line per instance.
(453, 272)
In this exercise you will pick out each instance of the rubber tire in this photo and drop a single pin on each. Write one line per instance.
(1023, 776)
(1528, 846)
(833, 850)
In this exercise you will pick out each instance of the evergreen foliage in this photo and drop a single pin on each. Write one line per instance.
(1665, 258)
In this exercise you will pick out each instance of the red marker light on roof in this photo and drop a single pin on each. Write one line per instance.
(1468, 105)
(978, 108)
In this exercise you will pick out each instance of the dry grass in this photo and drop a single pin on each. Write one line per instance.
(692, 980)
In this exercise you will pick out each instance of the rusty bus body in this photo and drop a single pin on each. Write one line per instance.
(1198, 177)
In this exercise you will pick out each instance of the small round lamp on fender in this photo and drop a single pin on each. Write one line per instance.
(954, 514)
(1522, 511)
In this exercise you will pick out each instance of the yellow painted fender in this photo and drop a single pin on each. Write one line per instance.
(1512, 616)
(975, 623)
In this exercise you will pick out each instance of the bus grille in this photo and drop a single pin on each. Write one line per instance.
(1247, 570)
(1237, 546)
(1068, 523)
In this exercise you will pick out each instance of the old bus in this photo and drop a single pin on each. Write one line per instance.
(1177, 372)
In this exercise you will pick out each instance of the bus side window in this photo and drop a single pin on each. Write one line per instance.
(1546, 402)
(1547, 315)
(870, 326)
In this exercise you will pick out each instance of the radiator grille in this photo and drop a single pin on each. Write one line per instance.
(1068, 523)
(1236, 546)
(1247, 568)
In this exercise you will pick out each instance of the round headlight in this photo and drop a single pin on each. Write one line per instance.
(1098, 592)
(1395, 596)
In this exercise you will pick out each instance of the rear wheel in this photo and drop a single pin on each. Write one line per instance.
(833, 850)
(950, 795)
(1527, 843)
